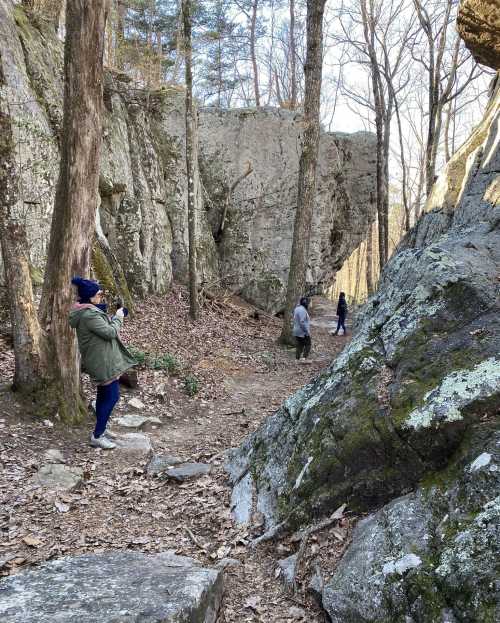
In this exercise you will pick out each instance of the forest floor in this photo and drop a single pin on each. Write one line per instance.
(231, 362)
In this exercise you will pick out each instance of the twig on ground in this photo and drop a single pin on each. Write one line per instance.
(195, 540)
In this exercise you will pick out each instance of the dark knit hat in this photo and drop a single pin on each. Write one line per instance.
(86, 288)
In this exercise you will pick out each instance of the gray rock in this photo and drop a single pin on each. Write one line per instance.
(136, 443)
(58, 477)
(431, 555)
(132, 420)
(161, 462)
(135, 403)
(187, 471)
(316, 586)
(287, 567)
(114, 587)
(242, 500)
(53, 455)
(254, 252)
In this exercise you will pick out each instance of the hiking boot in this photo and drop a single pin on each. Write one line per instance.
(110, 435)
(101, 442)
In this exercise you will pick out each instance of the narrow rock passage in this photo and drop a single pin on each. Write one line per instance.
(117, 504)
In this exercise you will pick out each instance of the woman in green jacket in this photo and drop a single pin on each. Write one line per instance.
(104, 357)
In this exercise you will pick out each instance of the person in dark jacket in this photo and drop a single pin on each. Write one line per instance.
(104, 357)
(302, 329)
(341, 313)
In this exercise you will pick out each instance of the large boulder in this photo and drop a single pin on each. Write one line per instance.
(430, 556)
(249, 163)
(142, 219)
(478, 23)
(113, 587)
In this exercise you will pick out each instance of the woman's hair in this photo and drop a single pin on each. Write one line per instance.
(342, 295)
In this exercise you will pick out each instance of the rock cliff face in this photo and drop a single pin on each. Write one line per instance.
(254, 249)
(407, 416)
(143, 183)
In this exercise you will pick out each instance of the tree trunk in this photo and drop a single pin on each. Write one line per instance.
(120, 33)
(29, 352)
(369, 261)
(190, 162)
(75, 206)
(293, 58)
(308, 162)
(253, 56)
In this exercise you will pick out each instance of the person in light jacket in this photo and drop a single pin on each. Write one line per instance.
(302, 329)
(104, 357)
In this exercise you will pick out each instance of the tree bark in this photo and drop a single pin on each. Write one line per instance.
(75, 206)
(190, 161)
(293, 58)
(308, 163)
(369, 261)
(253, 55)
(382, 131)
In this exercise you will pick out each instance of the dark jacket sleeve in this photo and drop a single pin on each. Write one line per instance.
(105, 329)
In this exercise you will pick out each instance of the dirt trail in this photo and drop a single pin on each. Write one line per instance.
(119, 506)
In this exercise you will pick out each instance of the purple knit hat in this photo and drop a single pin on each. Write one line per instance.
(86, 288)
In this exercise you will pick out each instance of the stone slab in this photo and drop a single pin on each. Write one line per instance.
(58, 477)
(137, 443)
(161, 462)
(134, 420)
(114, 587)
(187, 471)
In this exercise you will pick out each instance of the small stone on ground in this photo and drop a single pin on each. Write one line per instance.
(134, 442)
(135, 403)
(188, 470)
(59, 477)
(134, 420)
(162, 462)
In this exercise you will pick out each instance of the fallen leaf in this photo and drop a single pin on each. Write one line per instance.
(32, 541)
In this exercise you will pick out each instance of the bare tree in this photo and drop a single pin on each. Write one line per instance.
(308, 162)
(293, 57)
(190, 160)
(253, 55)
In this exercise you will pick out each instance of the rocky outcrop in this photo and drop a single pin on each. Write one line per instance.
(143, 183)
(432, 555)
(249, 162)
(112, 587)
(406, 417)
(478, 23)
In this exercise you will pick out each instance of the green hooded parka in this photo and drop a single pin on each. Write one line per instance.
(104, 357)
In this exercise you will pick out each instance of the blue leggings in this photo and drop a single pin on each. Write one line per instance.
(107, 397)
